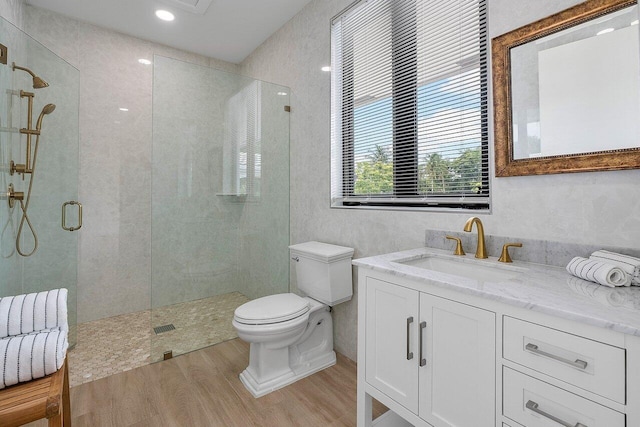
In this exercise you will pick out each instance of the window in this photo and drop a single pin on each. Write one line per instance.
(409, 105)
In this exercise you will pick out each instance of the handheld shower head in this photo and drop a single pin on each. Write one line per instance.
(48, 109)
(38, 82)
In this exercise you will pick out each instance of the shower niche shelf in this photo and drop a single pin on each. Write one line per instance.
(239, 197)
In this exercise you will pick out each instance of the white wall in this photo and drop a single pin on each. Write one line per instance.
(589, 208)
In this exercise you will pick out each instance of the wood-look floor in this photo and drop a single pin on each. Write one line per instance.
(202, 389)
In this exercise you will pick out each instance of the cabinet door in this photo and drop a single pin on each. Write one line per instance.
(457, 383)
(391, 341)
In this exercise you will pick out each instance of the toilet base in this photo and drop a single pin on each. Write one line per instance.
(296, 373)
(276, 363)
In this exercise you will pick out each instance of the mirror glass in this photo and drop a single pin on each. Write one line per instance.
(577, 90)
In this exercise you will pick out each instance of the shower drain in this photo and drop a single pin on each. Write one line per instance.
(163, 328)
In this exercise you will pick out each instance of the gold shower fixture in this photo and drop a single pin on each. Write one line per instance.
(38, 82)
(29, 165)
(14, 196)
(26, 167)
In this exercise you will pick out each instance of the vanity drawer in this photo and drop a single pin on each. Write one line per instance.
(590, 365)
(534, 403)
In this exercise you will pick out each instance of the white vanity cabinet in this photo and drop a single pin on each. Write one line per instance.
(391, 361)
(433, 356)
(440, 351)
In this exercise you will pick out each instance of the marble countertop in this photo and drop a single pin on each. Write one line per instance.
(536, 287)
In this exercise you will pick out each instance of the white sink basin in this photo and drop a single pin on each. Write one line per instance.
(464, 268)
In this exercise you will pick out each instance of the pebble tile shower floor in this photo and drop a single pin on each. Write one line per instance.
(121, 343)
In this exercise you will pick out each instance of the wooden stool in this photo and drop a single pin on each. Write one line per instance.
(46, 397)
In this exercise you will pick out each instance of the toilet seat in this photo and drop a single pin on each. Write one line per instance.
(272, 309)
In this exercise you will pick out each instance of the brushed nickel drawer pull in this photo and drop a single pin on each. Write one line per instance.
(581, 364)
(423, 326)
(533, 406)
(409, 353)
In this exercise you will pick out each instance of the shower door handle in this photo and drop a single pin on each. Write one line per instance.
(64, 215)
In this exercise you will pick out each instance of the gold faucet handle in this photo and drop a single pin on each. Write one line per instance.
(505, 252)
(459, 250)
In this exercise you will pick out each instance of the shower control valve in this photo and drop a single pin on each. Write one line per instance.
(21, 169)
(12, 195)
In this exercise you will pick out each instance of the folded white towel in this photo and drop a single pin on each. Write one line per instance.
(631, 265)
(27, 357)
(599, 272)
(23, 314)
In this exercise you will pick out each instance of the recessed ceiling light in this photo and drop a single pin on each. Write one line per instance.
(144, 61)
(326, 68)
(124, 109)
(165, 15)
(282, 93)
(605, 31)
(635, 22)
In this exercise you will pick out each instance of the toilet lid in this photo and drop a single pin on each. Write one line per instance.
(272, 309)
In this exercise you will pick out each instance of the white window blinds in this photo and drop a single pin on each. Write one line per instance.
(409, 104)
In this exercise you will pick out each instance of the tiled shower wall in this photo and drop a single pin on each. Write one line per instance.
(114, 272)
(194, 232)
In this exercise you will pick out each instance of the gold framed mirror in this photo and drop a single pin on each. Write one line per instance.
(566, 92)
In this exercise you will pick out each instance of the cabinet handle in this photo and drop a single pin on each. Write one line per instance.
(533, 406)
(409, 353)
(581, 364)
(423, 325)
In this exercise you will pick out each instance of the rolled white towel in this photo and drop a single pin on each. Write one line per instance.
(31, 356)
(23, 314)
(630, 264)
(599, 272)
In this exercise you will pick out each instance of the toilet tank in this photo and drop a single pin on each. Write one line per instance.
(323, 271)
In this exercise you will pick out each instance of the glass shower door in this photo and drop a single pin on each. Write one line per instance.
(53, 262)
(220, 201)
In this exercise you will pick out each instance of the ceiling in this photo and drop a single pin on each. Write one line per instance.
(227, 29)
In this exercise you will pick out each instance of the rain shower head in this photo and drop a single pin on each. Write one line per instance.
(48, 109)
(38, 82)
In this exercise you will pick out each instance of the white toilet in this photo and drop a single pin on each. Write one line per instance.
(291, 337)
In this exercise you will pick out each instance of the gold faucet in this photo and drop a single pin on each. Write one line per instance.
(481, 250)
(505, 257)
(459, 249)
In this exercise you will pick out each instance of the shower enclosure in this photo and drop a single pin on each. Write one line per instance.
(53, 178)
(220, 201)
